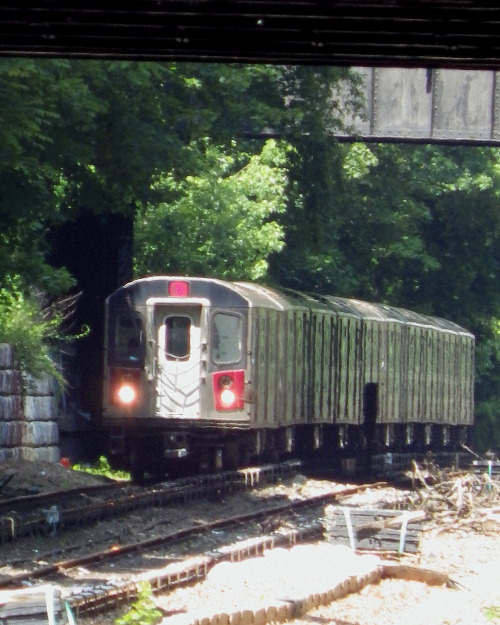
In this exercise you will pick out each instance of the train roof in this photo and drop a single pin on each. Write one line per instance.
(354, 308)
(156, 288)
(246, 294)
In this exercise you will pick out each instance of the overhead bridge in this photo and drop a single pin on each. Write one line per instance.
(407, 33)
(423, 36)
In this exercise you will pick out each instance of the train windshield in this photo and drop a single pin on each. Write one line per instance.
(226, 338)
(177, 337)
(128, 345)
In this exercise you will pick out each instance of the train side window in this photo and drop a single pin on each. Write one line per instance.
(128, 348)
(226, 338)
(177, 337)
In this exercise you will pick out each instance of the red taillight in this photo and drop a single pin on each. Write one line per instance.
(228, 389)
(124, 387)
(178, 288)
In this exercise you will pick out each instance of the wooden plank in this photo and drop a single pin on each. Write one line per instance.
(378, 542)
(29, 606)
(387, 530)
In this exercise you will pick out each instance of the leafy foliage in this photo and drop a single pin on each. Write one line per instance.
(143, 611)
(79, 136)
(102, 467)
(222, 217)
(24, 327)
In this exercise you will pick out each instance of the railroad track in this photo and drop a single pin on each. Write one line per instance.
(296, 521)
(100, 581)
(24, 517)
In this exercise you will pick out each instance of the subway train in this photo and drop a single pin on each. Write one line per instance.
(203, 375)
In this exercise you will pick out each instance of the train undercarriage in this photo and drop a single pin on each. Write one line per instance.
(342, 449)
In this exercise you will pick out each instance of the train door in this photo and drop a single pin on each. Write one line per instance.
(370, 413)
(179, 354)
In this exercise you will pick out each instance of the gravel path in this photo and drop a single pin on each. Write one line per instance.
(472, 562)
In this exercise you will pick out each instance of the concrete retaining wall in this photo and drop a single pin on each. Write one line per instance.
(28, 414)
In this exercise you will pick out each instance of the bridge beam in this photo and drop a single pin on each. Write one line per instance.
(417, 33)
(430, 106)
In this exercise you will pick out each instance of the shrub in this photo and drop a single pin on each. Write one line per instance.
(102, 467)
(33, 328)
(143, 611)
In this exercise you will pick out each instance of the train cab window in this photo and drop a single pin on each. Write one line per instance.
(128, 347)
(226, 338)
(177, 337)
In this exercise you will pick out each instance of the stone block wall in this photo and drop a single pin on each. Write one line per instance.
(28, 414)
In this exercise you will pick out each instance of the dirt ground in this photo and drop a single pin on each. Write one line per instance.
(29, 478)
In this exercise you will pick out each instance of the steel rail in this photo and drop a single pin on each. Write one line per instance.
(14, 526)
(176, 574)
(42, 499)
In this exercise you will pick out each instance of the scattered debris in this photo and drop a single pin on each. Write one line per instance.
(446, 499)
(456, 499)
(491, 467)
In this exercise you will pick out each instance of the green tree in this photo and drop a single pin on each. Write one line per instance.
(87, 137)
(219, 221)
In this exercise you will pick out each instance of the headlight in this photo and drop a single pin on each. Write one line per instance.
(227, 398)
(125, 387)
(127, 394)
(228, 387)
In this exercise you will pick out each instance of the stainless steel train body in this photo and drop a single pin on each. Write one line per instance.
(202, 373)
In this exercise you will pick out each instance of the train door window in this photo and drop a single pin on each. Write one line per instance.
(177, 337)
(226, 338)
(128, 345)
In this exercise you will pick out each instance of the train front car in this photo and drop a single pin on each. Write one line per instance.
(203, 375)
(175, 367)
